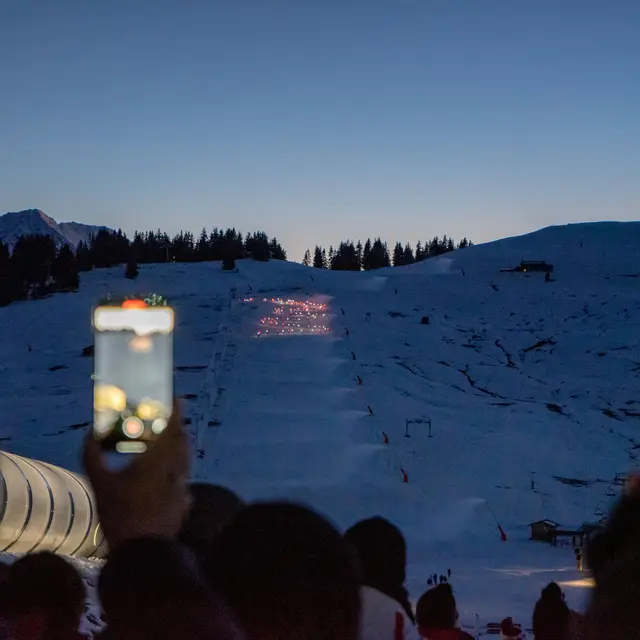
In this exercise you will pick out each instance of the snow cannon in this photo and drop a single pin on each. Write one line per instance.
(47, 508)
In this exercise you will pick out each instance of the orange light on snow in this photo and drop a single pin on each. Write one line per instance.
(134, 304)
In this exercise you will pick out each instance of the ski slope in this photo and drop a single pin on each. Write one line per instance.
(522, 381)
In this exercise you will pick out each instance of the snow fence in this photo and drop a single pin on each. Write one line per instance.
(46, 508)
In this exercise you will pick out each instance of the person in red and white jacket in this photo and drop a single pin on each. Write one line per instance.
(381, 549)
(382, 618)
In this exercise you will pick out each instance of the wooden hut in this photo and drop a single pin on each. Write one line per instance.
(543, 530)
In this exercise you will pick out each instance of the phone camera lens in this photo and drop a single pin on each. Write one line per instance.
(133, 427)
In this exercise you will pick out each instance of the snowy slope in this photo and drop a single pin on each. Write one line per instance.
(13, 225)
(602, 248)
(521, 379)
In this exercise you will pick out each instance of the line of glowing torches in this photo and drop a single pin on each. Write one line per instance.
(289, 326)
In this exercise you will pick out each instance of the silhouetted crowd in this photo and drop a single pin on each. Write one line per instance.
(194, 561)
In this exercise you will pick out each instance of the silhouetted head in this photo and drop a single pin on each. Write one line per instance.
(212, 507)
(381, 549)
(151, 589)
(552, 592)
(551, 615)
(287, 573)
(436, 609)
(382, 553)
(46, 597)
(614, 558)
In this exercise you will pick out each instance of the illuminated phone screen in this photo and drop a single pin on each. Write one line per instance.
(133, 374)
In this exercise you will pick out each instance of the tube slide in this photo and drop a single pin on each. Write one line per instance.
(46, 508)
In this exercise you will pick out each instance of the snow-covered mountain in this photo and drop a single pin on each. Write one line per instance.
(15, 224)
(530, 387)
(76, 232)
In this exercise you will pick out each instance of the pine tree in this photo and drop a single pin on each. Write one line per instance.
(318, 262)
(408, 254)
(65, 270)
(33, 257)
(345, 258)
(83, 257)
(276, 251)
(306, 261)
(10, 289)
(131, 272)
(419, 253)
(379, 256)
(258, 246)
(109, 248)
(359, 251)
(434, 247)
(238, 247)
(202, 248)
(228, 263)
(325, 261)
(366, 255)
(398, 255)
(387, 257)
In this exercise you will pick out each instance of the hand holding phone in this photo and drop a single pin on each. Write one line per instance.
(150, 496)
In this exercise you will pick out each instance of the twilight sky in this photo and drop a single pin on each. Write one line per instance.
(319, 120)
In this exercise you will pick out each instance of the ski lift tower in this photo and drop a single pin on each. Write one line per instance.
(166, 246)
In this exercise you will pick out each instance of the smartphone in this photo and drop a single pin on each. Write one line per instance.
(133, 372)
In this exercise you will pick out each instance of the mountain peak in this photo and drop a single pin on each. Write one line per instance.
(15, 224)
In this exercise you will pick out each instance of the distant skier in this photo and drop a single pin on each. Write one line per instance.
(343, 313)
(579, 559)
(359, 379)
(346, 331)
(547, 277)
(367, 316)
(449, 573)
(395, 290)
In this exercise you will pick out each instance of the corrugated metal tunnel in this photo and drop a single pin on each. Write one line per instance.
(46, 508)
